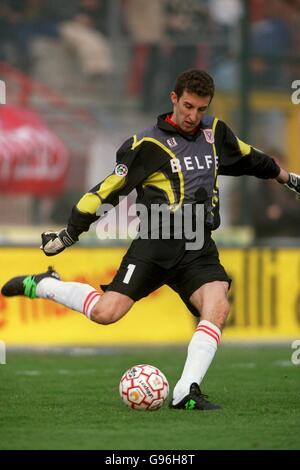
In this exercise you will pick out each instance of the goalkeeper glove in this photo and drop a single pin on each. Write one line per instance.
(55, 242)
(293, 183)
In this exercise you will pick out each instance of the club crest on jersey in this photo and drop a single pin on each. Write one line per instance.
(172, 142)
(121, 170)
(209, 136)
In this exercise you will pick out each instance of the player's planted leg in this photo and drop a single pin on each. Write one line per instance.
(195, 400)
(211, 301)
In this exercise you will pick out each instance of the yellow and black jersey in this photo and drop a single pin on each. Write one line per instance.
(167, 166)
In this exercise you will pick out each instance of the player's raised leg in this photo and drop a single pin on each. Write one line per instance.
(101, 308)
(211, 302)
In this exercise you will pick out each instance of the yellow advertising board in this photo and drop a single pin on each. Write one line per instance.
(265, 299)
(161, 317)
(265, 294)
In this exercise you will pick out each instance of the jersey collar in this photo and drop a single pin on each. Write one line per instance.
(165, 123)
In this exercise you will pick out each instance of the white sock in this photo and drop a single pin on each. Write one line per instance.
(201, 351)
(75, 295)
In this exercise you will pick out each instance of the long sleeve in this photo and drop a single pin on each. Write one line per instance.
(127, 174)
(237, 158)
(135, 161)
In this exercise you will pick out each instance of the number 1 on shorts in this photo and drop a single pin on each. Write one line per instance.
(130, 269)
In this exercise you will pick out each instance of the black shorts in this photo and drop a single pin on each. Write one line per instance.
(137, 277)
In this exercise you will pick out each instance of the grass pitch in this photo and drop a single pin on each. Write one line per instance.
(70, 401)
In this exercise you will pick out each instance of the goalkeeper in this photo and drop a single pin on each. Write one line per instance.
(175, 162)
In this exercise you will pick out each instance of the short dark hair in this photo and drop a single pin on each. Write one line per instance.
(195, 81)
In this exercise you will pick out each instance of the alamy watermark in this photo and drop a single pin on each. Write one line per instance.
(159, 221)
(295, 97)
(2, 92)
(295, 358)
(2, 353)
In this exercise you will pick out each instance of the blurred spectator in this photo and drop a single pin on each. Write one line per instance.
(257, 9)
(275, 210)
(84, 33)
(21, 21)
(145, 24)
(271, 43)
(292, 14)
(224, 62)
(189, 25)
(226, 15)
(80, 24)
(170, 36)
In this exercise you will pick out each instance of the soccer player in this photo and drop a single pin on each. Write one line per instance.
(175, 162)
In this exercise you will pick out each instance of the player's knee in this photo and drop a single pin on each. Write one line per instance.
(110, 308)
(222, 311)
(105, 315)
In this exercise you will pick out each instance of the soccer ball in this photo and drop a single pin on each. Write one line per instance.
(144, 387)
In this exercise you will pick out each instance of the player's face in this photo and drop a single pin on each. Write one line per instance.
(188, 110)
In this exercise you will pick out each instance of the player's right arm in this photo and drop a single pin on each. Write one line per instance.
(126, 175)
(135, 161)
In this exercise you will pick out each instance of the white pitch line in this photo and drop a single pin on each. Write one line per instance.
(284, 363)
(242, 365)
(75, 372)
(33, 373)
(28, 372)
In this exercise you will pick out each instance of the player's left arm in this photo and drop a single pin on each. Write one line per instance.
(236, 158)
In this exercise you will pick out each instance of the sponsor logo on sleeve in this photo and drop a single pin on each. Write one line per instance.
(121, 170)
